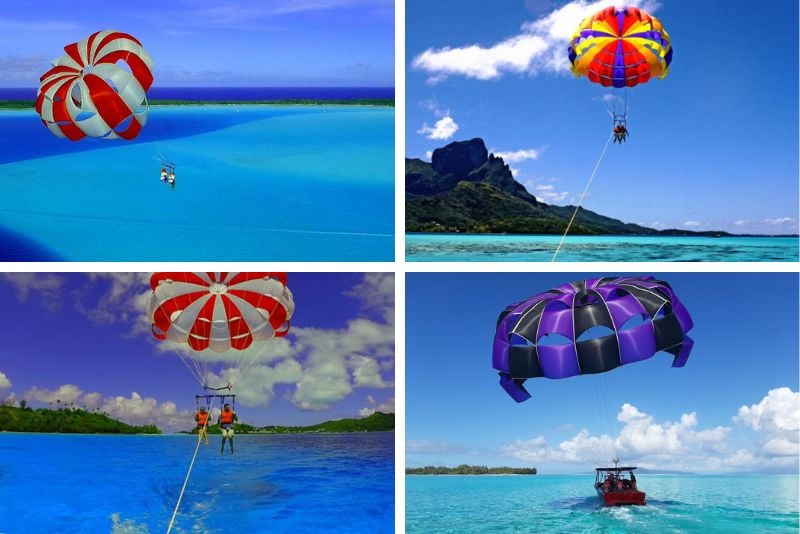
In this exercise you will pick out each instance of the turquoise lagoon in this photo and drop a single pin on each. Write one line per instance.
(569, 504)
(471, 247)
(253, 183)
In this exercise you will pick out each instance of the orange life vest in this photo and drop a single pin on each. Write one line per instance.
(202, 418)
(226, 418)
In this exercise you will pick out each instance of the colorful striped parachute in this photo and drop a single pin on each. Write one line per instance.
(97, 89)
(220, 311)
(620, 47)
(555, 334)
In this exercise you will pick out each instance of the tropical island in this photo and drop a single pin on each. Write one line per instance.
(465, 469)
(465, 189)
(65, 420)
(386, 102)
(377, 422)
(68, 419)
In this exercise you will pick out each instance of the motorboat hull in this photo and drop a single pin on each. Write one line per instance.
(622, 498)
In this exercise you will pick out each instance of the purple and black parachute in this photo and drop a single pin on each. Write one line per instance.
(644, 315)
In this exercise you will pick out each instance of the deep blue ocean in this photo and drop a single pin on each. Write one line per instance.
(568, 504)
(60, 483)
(238, 93)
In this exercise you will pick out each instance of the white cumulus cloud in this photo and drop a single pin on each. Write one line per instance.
(642, 438)
(777, 418)
(516, 156)
(779, 221)
(549, 194)
(46, 285)
(386, 407)
(65, 394)
(443, 129)
(5, 383)
(133, 410)
(540, 46)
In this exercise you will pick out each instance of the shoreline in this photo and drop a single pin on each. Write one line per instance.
(187, 434)
(793, 236)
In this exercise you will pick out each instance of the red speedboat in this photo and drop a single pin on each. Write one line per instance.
(616, 486)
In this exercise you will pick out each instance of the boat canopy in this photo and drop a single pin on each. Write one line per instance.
(615, 469)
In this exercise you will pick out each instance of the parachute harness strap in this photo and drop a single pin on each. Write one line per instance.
(583, 195)
(189, 472)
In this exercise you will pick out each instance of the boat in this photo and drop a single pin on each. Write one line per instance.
(616, 486)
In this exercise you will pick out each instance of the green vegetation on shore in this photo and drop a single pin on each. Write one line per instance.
(465, 189)
(465, 469)
(66, 421)
(29, 104)
(377, 422)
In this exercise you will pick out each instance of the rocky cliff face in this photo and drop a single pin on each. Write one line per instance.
(466, 189)
(460, 158)
(467, 161)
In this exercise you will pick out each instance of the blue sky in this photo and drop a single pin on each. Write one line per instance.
(734, 407)
(712, 146)
(85, 338)
(203, 43)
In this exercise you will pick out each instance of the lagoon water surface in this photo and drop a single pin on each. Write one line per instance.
(253, 183)
(568, 503)
(273, 483)
(471, 247)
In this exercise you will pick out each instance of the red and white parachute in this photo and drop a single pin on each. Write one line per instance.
(97, 89)
(228, 313)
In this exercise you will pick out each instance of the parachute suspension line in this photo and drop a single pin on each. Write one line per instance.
(250, 362)
(617, 404)
(583, 195)
(604, 394)
(582, 394)
(599, 402)
(188, 473)
(197, 366)
(191, 365)
(625, 108)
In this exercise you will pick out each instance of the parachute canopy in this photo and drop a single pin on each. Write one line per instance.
(620, 47)
(546, 335)
(219, 311)
(97, 89)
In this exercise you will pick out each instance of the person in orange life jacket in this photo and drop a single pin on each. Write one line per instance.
(202, 423)
(225, 421)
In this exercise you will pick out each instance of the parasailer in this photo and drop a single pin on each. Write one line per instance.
(98, 89)
(219, 324)
(620, 133)
(621, 48)
(168, 172)
(550, 334)
(201, 418)
(226, 420)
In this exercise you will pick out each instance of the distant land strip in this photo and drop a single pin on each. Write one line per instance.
(465, 469)
(384, 102)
